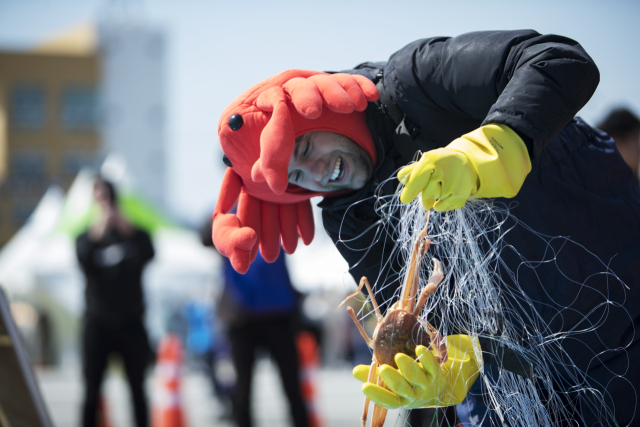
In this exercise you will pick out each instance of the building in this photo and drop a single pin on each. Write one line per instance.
(132, 92)
(49, 126)
(74, 100)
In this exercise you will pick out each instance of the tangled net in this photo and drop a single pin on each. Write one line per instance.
(482, 296)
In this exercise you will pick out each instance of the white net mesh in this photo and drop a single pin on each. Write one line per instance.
(482, 296)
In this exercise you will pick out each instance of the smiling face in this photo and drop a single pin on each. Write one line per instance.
(327, 161)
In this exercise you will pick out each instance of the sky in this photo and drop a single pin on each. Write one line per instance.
(217, 49)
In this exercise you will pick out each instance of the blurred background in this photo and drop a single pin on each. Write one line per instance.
(133, 90)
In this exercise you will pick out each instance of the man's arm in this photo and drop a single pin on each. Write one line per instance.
(145, 246)
(85, 248)
(533, 83)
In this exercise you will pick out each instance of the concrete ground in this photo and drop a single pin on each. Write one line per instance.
(340, 400)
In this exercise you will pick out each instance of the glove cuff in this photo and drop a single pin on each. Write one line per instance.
(500, 158)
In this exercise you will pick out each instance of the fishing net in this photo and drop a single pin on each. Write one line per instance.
(528, 378)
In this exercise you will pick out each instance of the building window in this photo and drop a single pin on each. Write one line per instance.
(79, 108)
(22, 212)
(27, 109)
(75, 162)
(29, 165)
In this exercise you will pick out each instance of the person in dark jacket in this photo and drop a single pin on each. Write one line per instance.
(494, 114)
(112, 254)
(259, 310)
(624, 128)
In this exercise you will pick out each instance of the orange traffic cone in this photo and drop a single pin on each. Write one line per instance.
(309, 363)
(103, 415)
(167, 406)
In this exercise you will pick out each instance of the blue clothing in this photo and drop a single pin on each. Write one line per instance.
(261, 307)
(200, 334)
(264, 289)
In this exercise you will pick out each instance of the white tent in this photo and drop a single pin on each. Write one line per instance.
(41, 258)
(19, 258)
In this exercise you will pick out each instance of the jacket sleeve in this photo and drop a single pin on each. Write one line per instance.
(145, 246)
(85, 249)
(533, 83)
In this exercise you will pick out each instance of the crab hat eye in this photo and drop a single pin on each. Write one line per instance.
(236, 121)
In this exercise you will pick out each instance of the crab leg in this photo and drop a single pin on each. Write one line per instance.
(422, 300)
(410, 285)
(372, 296)
(353, 294)
(365, 282)
(360, 328)
(370, 379)
(379, 413)
(363, 418)
(438, 342)
(437, 275)
(424, 247)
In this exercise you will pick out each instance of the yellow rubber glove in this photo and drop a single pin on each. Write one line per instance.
(491, 161)
(425, 383)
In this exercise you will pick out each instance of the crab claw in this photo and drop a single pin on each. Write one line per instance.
(437, 274)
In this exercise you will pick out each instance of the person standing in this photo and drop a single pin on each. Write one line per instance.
(112, 254)
(624, 128)
(260, 308)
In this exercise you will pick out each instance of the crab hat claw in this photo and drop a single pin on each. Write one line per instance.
(258, 225)
(342, 93)
(229, 236)
(238, 241)
(277, 141)
(284, 225)
(305, 97)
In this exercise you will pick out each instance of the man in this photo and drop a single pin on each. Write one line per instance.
(112, 254)
(624, 128)
(260, 312)
(493, 113)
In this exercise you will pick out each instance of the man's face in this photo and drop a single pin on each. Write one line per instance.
(101, 194)
(327, 161)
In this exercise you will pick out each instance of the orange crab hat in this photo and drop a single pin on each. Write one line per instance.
(257, 134)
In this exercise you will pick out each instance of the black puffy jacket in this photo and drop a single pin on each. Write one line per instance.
(579, 186)
(447, 87)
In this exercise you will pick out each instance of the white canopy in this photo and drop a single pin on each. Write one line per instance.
(41, 257)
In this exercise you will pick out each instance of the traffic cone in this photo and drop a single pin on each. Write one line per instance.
(309, 364)
(167, 405)
(102, 419)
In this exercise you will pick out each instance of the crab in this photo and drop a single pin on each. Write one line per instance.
(400, 330)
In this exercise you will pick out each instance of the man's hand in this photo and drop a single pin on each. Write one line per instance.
(444, 177)
(491, 161)
(111, 218)
(423, 382)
